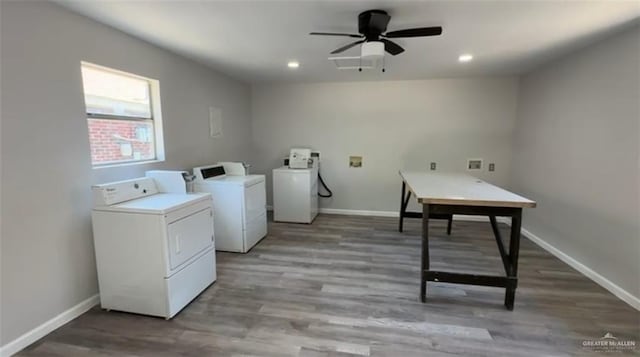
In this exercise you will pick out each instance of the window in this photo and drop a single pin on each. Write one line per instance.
(123, 114)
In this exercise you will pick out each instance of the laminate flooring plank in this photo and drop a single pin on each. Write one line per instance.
(348, 286)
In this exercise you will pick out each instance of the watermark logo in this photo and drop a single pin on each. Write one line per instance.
(609, 343)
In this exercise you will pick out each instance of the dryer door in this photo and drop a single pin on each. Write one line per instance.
(255, 201)
(189, 236)
(255, 230)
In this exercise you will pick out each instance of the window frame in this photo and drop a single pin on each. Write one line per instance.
(155, 119)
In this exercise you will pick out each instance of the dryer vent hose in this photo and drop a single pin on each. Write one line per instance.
(325, 187)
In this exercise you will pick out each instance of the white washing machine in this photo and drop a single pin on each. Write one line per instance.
(295, 194)
(239, 206)
(154, 251)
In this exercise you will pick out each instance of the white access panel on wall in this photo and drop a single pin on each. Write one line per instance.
(215, 122)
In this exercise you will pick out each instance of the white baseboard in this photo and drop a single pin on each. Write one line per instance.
(39, 332)
(616, 290)
(355, 212)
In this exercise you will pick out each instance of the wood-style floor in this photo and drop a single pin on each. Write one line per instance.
(348, 286)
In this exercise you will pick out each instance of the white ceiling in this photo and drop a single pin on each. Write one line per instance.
(254, 40)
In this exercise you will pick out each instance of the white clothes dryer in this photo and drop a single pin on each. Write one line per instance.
(239, 206)
(154, 251)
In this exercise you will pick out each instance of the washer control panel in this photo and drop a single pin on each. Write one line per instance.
(121, 191)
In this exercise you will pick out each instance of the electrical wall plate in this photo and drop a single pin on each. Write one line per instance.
(474, 164)
(355, 161)
(432, 166)
(492, 167)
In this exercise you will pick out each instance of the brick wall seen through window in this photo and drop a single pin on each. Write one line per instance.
(120, 116)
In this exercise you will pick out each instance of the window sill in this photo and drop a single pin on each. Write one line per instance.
(109, 166)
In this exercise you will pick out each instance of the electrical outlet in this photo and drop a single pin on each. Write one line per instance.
(355, 161)
(492, 167)
(474, 164)
(433, 166)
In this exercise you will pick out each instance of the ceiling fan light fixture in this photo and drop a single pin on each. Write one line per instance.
(373, 35)
(465, 58)
(372, 50)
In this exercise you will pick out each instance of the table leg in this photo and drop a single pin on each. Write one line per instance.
(402, 206)
(425, 252)
(514, 248)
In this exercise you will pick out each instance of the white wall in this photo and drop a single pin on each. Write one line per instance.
(393, 125)
(576, 149)
(572, 113)
(47, 251)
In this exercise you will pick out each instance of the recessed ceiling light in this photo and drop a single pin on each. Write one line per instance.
(293, 64)
(465, 58)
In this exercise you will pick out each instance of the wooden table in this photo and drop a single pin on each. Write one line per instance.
(443, 195)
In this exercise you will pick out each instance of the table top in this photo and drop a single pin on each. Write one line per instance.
(460, 189)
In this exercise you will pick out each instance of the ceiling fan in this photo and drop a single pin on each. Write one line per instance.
(372, 26)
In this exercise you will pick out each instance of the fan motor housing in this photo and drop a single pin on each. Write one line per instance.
(372, 23)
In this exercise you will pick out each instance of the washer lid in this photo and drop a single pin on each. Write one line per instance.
(248, 180)
(287, 170)
(160, 203)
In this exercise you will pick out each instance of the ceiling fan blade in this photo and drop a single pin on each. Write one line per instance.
(416, 32)
(391, 47)
(335, 34)
(344, 48)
